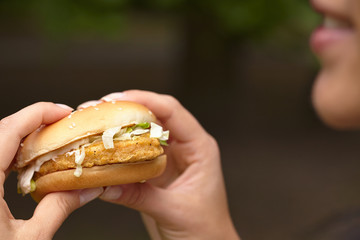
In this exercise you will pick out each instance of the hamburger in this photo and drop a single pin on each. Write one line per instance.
(106, 144)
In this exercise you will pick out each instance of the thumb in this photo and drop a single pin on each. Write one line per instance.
(55, 207)
(143, 197)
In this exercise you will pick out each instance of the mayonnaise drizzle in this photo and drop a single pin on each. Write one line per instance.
(25, 176)
(79, 158)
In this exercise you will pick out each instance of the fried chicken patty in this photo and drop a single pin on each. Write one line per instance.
(141, 148)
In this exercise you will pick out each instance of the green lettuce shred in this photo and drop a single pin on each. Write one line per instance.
(32, 186)
(163, 143)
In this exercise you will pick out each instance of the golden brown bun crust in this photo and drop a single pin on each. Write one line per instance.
(80, 124)
(99, 176)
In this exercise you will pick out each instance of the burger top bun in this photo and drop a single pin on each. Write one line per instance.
(81, 124)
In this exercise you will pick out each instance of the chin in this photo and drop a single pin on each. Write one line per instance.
(337, 104)
(336, 119)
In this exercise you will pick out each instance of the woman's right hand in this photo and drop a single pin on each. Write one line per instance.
(189, 200)
(54, 208)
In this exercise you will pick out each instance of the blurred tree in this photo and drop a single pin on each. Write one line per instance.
(213, 31)
(241, 18)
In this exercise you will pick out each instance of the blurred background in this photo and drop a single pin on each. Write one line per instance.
(243, 68)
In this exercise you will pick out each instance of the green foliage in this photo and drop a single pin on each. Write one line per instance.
(257, 18)
(244, 18)
(67, 16)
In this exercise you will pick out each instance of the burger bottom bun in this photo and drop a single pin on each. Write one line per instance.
(99, 176)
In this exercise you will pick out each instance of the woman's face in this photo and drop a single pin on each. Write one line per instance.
(336, 92)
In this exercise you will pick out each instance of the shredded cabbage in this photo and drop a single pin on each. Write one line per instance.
(165, 136)
(25, 179)
(139, 131)
(156, 131)
(108, 137)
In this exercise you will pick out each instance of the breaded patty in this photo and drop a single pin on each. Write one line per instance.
(127, 151)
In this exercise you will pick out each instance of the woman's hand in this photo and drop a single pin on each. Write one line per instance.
(55, 207)
(189, 200)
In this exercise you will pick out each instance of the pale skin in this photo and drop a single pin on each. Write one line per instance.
(189, 200)
(193, 204)
(12, 129)
(336, 92)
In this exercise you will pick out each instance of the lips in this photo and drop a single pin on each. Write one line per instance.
(331, 33)
(335, 30)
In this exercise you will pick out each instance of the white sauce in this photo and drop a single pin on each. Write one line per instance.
(25, 176)
(79, 158)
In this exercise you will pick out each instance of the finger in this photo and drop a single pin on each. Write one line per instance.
(151, 227)
(183, 126)
(5, 211)
(7, 172)
(54, 208)
(139, 196)
(89, 104)
(14, 127)
(172, 171)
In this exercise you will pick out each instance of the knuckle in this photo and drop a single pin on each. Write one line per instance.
(137, 197)
(41, 104)
(212, 144)
(7, 125)
(172, 101)
(5, 122)
(135, 91)
(64, 205)
(212, 141)
(171, 104)
(8, 128)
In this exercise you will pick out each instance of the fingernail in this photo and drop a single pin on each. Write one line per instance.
(66, 107)
(91, 103)
(87, 195)
(112, 193)
(113, 96)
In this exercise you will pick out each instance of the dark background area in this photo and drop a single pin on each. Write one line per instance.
(243, 68)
